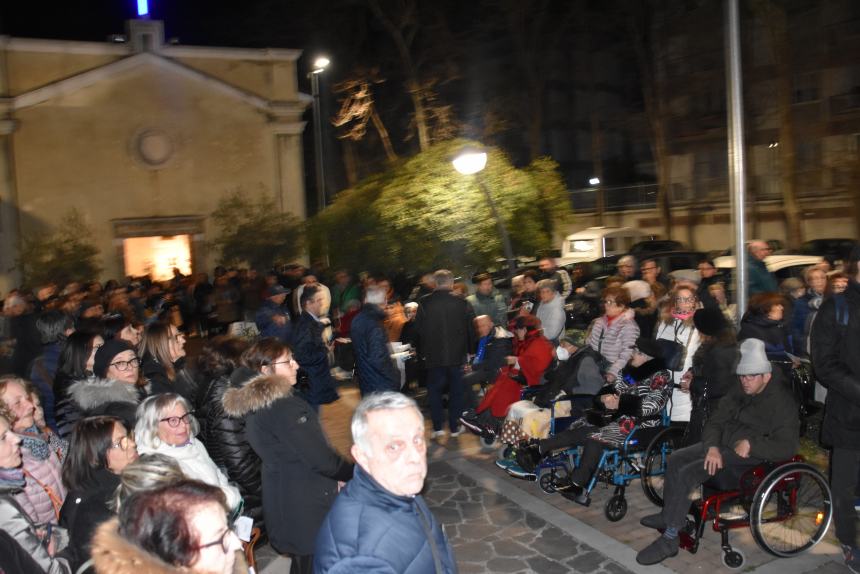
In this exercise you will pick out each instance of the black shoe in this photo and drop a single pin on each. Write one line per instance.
(658, 551)
(654, 521)
(576, 494)
(528, 457)
(472, 425)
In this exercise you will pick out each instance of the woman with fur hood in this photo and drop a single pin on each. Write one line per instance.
(301, 472)
(115, 389)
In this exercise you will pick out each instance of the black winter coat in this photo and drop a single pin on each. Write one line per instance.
(500, 346)
(833, 342)
(225, 441)
(300, 469)
(444, 328)
(714, 375)
(183, 382)
(83, 511)
(312, 355)
(376, 370)
(372, 530)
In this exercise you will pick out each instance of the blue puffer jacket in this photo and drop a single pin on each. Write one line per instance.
(376, 370)
(371, 530)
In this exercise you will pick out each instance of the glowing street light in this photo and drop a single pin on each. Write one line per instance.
(319, 66)
(471, 162)
(594, 181)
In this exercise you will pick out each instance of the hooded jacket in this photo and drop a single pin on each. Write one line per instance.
(16, 522)
(369, 529)
(300, 469)
(113, 554)
(225, 441)
(94, 396)
(376, 370)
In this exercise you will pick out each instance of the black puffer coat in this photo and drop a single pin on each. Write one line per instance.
(714, 375)
(833, 342)
(225, 440)
(183, 382)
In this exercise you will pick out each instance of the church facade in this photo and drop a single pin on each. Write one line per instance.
(143, 139)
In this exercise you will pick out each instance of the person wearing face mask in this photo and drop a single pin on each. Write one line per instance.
(116, 388)
(301, 472)
(41, 544)
(676, 326)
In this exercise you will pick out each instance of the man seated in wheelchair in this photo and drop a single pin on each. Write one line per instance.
(754, 423)
(637, 398)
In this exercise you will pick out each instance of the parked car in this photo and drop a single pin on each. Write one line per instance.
(782, 266)
(834, 250)
(655, 246)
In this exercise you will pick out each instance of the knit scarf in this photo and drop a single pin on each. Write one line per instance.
(682, 316)
(11, 478)
(39, 448)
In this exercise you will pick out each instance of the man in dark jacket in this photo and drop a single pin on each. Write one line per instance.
(311, 351)
(760, 279)
(495, 343)
(376, 370)
(445, 338)
(833, 343)
(272, 319)
(757, 421)
(380, 522)
(53, 327)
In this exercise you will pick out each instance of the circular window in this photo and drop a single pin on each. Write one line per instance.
(154, 148)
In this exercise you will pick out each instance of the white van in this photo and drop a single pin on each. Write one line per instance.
(596, 242)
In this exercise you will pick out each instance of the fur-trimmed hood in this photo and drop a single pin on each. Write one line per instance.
(113, 553)
(94, 392)
(255, 393)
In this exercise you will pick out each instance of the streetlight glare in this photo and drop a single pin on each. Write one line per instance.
(470, 162)
(321, 64)
(594, 181)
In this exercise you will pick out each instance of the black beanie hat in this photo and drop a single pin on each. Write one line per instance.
(710, 321)
(106, 353)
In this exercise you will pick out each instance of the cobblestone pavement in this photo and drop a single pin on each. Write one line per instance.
(491, 533)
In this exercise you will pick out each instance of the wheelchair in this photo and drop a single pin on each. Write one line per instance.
(618, 467)
(787, 506)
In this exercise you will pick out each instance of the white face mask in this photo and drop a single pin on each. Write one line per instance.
(562, 353)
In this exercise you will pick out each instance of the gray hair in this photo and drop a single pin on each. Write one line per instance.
(386, 400)
(443, 278)
(375, 296)
(149, 472)
(149, 414)
(548, 284)
(627, 260)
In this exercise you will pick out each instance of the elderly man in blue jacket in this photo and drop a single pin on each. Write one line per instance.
(376, 370)
(379, 522)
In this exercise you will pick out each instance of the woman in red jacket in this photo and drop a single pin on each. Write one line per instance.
(532, 356)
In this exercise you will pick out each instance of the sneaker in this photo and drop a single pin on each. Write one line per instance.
(852, 558)
(505, 463)
(472, 425)
(456, 433)
(654, 521)
(658, 551)
(519, 472)
(437, 434)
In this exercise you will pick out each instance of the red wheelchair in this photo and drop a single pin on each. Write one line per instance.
(787, 506)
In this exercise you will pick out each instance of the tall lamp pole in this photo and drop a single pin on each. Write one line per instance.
(320, 64)
(471, 162)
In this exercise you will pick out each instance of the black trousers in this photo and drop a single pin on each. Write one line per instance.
(302, 564)
(844, 468)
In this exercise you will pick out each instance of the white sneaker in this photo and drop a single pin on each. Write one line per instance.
(457, 432)
(437, 434)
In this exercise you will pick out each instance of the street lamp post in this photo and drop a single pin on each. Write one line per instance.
(320, 65)
(472, 162)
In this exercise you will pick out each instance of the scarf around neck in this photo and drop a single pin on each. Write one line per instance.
(12, 478)
(39, 448)
(682, 316)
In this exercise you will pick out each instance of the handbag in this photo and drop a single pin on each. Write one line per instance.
(674, 353)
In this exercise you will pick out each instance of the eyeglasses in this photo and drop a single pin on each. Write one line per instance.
(122, 443)
(287, 362)
(609, 302)
(126, 365)
(644, 269)
(224, 541)
(174, 421)
(685, 299)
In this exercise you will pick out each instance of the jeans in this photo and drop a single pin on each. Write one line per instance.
(686, 471)
(440, 379)
(844, 466)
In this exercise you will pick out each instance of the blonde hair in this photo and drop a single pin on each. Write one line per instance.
(148, 472)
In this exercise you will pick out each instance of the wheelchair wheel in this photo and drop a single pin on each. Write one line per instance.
(546, 482)
(616, 508)
(733, 559)
(655, 459)
(791, 510)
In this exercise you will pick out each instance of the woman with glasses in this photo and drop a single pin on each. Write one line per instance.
(100, 450)
(614, 333)
(301, 472)
(166, 425)
(676, 325)
(182, 527)
(162, 352)
(116, 387)
(39, 541)
(76, 364)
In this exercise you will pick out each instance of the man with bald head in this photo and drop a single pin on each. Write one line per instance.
(494, 344)
(760, 279)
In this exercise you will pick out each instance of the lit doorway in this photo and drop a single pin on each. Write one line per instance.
(157, 256)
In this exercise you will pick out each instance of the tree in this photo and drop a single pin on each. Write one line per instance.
(420, 213)
(67, 254)
(255, 231)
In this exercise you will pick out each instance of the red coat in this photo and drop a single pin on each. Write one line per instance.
(534, 355)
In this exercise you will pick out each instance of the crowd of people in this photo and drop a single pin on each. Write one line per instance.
(117, 450)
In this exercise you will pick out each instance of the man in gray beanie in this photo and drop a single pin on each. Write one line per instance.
(756, 421)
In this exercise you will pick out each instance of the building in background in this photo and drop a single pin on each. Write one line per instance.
(143, 138)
